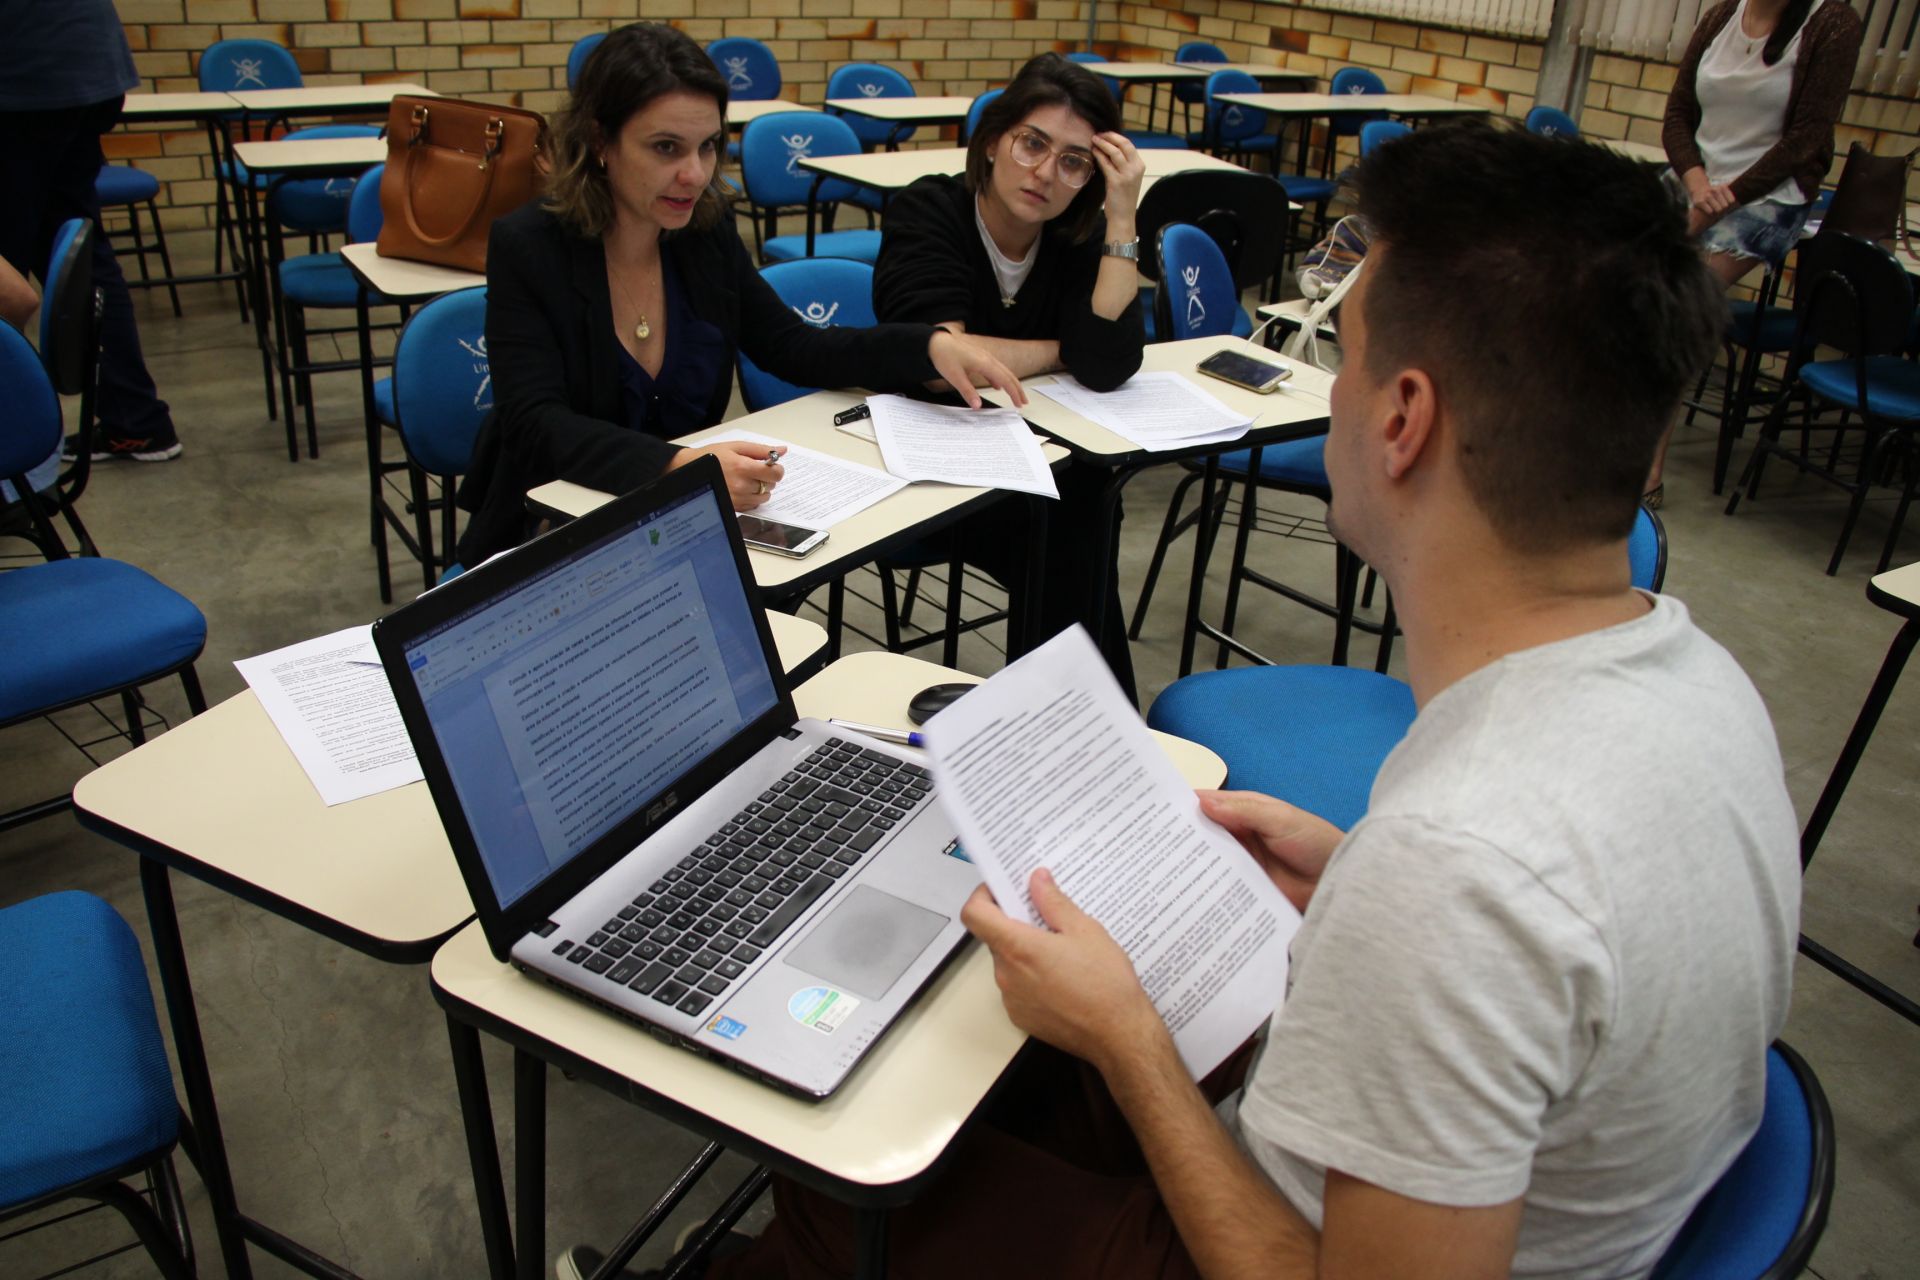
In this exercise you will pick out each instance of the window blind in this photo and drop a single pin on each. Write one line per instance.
(1659, 30)
(1517, 19)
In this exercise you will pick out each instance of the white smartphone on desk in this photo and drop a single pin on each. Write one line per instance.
(781, 539)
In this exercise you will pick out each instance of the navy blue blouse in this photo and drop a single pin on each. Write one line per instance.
(674, 403)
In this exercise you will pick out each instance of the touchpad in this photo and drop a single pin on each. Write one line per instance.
(867, 942)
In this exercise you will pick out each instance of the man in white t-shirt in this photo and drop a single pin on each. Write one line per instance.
(1529, 1007)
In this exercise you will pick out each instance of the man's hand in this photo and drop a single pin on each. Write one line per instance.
(1291, 845)
(1074, 987)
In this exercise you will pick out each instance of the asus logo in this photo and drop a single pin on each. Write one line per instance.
(661, 808)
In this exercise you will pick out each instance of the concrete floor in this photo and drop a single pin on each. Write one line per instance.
(332, 1069)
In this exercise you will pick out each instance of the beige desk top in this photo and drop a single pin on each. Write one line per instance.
(311, 153)
(905, 1103)
(1303, 401)
(1644, 152)
(1897, 590)
(809, 421)
(403, 279)
(1145, 71)
(327, 97)
(1258, 70)
(176, 106)
(905, 110)
(739, 112)
(1320, 104)
(224, 791)
(896, 170)
(1291, 313)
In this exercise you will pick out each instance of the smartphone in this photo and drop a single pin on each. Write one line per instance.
(1243, 370)
(781, 539)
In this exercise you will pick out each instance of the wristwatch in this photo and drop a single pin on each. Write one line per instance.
(1123, 249)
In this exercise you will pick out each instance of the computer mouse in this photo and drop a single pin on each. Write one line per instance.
(934, 699)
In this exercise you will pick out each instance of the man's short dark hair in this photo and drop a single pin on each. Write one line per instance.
(1550, 289)
(1048, 80)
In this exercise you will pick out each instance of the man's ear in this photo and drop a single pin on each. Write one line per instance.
(1414, 404)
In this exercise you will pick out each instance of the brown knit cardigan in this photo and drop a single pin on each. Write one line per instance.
(1822, 73)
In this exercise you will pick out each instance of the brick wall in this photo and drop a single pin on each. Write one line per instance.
(516, 51)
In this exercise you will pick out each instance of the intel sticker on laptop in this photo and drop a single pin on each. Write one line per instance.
(727, 1028)
(821, 1008)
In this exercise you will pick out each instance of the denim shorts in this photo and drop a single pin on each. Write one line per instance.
(1764, 231)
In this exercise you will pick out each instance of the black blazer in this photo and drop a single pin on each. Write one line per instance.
(558, 408)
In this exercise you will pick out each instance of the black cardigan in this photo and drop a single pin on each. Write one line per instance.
(933, 267)
(558, 412)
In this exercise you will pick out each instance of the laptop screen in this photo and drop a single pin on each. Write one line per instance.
(567, 704)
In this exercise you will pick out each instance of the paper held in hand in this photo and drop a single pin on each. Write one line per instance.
(1157, 411)
(1048, 765)
(820, 490)
(990, 448)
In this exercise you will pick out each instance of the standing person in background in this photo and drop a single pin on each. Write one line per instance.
(1749, 130)
(64, 70)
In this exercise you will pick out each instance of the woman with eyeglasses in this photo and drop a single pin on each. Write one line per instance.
(1032, 256)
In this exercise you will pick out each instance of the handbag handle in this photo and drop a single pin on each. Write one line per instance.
(496, 133)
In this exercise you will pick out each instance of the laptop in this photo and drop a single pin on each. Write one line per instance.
(640, 816)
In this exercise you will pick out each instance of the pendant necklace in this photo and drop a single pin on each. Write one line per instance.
(641, 331)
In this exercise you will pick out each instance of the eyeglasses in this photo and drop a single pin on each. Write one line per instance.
(1030, 149)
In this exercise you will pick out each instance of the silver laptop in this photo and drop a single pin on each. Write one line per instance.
(639, 814)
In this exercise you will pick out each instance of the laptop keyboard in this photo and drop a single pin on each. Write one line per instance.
(697, 929)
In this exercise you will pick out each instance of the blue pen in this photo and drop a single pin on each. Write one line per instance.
(900, 736)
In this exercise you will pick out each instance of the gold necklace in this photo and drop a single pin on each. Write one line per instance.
(643, 330)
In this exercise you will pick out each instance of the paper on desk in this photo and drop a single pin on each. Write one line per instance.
(330, 700)
(1157, 411)
(819, 490)
(1048, 765)
(991, 448)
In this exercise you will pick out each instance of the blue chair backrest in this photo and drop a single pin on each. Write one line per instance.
(577, 56)
(1375, 132)
(1227, 122)
(364, 217)
(870, 80)
(1647, 551)
(1552, 122)
(1195, 51)
(443, 382)
(823, 292)
(1771, 1201)
(1200, 298)
(980, 104)
(1114, 87)
(749, 67)
(67, 330)
(772, 147)
(230, 65)
(319, 204)
(30, 428)
(1355, 80)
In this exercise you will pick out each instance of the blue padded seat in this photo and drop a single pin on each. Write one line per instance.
(1302, 462)
(1893, 385)
(124, 184)
(1313, 736)
(1776, 325)
(319, 280)
(88, 1087)
(383, 402)
(136, 627)
(1303, 190)
(861, 246)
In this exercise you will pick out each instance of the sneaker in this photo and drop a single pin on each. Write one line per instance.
(582, 1260)
(147, 449)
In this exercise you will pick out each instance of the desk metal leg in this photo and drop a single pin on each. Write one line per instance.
(209, 1150)
(870, 1257)
(363, 322)
(1203, 531)
(530, 1162)
(476, 1113)
(1023, 606)
(248, 200)
(1856, 746)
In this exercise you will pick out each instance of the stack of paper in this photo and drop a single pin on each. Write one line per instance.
(1157, 411)
(819, 490)
(990, 448)
(331, 702)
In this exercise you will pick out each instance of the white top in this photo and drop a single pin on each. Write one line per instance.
(1549, 960)
(1010, 273)
(1743, 104)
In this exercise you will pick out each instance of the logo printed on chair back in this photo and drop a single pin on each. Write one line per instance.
(1356, 89)
(338, 188)
(871, 89)
(483, 393)
(799, 147)
(1196, 310)
(1231, 116)
(737, 76)
(817, 314)
(248, 69)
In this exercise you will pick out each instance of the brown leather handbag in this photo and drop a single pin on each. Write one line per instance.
(452, 168)
(1870, 200)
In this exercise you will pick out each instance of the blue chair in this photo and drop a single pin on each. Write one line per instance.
(1196, 297)
(823, 292)
(1190, 93)
(89, 1097)
(871, 80)
(1147, 139)
(1761, 1220)
(123, 186)
(227, 66)
(1340, 722)
(1551, 122)
(81, 628)
(1375, 132)
(322, 281)
(577, 56)
(442, 390)
(1851, 295)
(751, 71)
(1242, 130)
(980, 104)
(770, 151)
(69, 353)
